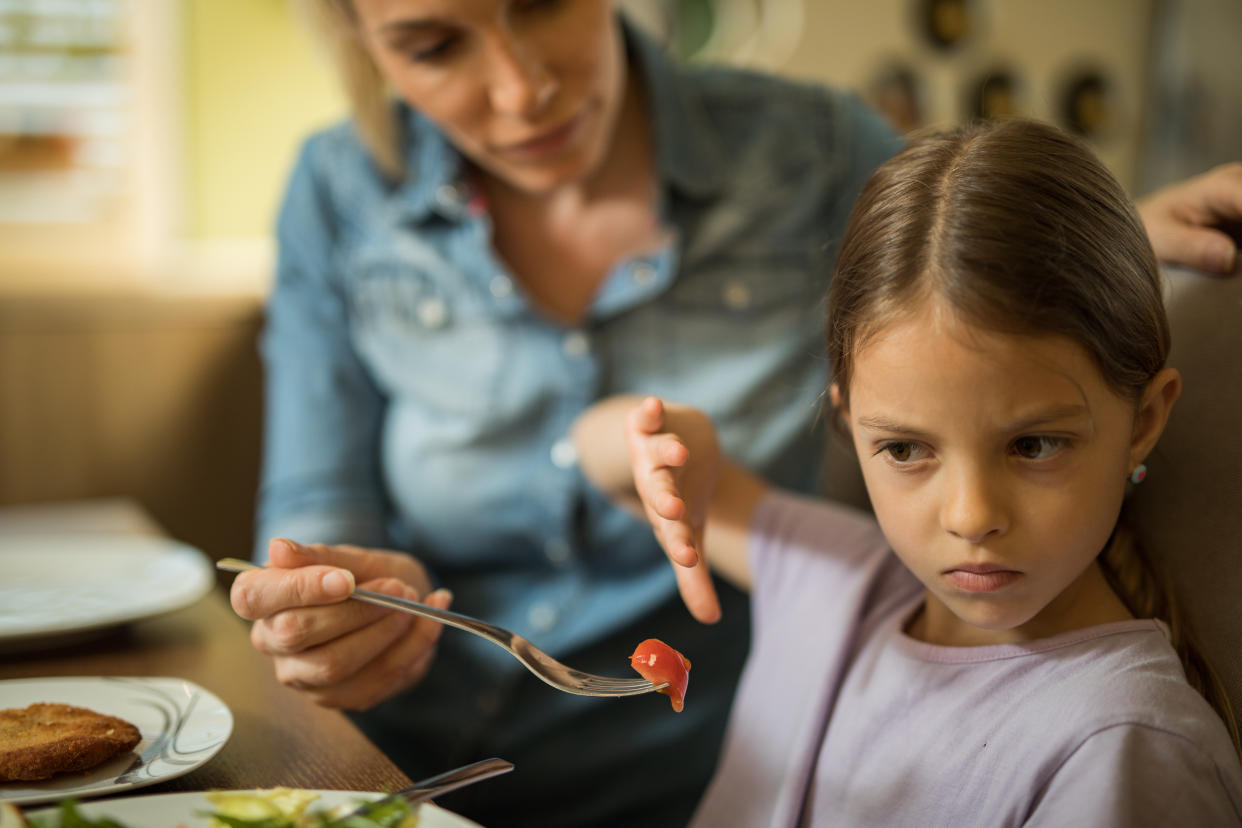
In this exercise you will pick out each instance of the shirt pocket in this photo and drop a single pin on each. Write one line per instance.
(742, 302)
(427, 344)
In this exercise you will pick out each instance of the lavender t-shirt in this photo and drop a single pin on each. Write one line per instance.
(841, 719)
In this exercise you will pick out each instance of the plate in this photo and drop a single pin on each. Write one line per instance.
(181, 809)
(59, 584)
(182, 726)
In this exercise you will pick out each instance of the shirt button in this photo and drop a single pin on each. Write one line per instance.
(542, 617)
(643, 273)
(501, 286)
(576, 344)
(557, 551)
(432, 313)
(448, 195)
(563, 453)
(736, 295)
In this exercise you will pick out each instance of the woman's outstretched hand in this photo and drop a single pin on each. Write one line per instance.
(341, 653)
(675, 460)
(1188, 221)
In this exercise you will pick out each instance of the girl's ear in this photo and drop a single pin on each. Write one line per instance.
(834, 394)
(1153, 413)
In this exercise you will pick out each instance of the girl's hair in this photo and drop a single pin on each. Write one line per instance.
(1020, 229)
(336, 24)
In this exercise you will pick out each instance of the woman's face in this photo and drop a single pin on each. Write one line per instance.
(529, 90)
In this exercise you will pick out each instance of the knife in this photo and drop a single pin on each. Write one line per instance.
(441, 783)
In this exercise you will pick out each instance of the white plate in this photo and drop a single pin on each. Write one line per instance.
(165, 810)
(182, 726)
(57, 584)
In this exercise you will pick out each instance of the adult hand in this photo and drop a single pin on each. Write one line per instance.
(675, 460)
(1187, 221)
(341, 653)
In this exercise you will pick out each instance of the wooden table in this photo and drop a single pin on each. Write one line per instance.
(279, 737)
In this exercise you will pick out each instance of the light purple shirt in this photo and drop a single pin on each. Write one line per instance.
(841, 719)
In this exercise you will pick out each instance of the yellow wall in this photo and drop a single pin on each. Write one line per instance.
(255, 84)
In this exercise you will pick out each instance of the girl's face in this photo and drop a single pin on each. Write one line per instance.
(996, 465)
(529, 90)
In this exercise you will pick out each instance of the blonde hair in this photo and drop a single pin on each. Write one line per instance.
(1022, 229)
(336, 25)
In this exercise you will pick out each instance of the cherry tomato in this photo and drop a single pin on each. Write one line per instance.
(659, 663)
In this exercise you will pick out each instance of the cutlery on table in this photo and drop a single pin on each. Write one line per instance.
(536, 660)
(441, 783)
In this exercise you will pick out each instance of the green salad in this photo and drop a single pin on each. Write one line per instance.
(271, 808)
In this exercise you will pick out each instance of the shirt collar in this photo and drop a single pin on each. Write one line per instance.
(688, 152)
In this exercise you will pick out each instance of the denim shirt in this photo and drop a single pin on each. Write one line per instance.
(416, 400)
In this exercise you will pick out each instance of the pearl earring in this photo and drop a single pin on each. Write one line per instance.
(1139, 474)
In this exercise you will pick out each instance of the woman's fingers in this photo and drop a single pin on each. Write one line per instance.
(366, 665)
(260, 593)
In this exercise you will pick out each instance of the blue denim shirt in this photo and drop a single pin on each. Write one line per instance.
(416, 400)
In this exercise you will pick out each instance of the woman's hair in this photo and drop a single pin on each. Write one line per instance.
(336, 24)
(1019, 229)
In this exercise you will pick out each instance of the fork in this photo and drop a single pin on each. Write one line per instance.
(536, 660)
(433, 786)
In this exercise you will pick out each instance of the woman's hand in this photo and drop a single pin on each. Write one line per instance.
(675, 460)
(341, 653)
(1187, 221)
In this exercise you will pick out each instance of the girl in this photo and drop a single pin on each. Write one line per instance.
(997, 339)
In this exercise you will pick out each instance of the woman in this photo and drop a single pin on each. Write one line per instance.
(550, 212)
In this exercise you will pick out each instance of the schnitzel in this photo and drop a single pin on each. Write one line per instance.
(41, 740)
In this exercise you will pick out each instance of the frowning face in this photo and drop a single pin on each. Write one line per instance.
(529, 90)
(996, 465)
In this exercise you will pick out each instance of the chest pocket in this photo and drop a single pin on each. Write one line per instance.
(427, 341)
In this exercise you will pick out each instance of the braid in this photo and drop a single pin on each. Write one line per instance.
(1132, 576)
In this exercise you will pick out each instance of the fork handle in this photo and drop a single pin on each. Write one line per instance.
(453, 619)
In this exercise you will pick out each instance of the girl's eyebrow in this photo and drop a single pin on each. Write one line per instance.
(879, 422)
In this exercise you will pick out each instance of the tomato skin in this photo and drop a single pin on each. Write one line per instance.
(659, 663)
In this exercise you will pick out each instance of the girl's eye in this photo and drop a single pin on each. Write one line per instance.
(901, 451)
(1037, 447)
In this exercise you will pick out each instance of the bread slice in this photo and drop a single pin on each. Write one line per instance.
(41, 740)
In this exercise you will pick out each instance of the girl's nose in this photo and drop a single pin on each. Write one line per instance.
(520, 82)
(973, 507)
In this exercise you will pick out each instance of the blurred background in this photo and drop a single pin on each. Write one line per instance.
(144, 145)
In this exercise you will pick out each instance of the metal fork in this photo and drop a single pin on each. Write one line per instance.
(433, 786)
(536, 660)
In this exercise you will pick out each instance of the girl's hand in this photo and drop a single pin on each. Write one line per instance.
(675, 460)
(341, 653)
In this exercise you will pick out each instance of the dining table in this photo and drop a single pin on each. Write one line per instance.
(279, 736)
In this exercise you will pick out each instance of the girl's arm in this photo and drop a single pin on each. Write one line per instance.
(663, 463)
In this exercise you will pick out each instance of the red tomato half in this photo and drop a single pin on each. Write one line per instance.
(659, 663)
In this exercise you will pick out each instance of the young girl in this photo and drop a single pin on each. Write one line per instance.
(998, 340)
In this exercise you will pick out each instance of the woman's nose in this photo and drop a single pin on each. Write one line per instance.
(520, 82)
(973, 507)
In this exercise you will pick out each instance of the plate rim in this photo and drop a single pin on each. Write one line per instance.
(196, 561)
(330, 793)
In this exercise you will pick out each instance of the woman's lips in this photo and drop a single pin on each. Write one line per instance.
(981, 578)
(547, 143)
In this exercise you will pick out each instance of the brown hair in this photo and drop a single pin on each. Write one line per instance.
(336, 25)
(1020, 229)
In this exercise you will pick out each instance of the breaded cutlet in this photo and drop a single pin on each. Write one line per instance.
(41, 740)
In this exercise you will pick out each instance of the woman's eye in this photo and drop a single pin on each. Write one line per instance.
(436, 50)
(901, 451)
(1037, 447)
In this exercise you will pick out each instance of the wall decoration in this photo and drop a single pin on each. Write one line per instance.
(946, 24)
